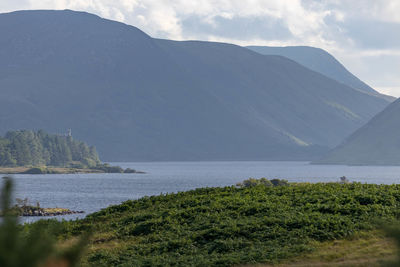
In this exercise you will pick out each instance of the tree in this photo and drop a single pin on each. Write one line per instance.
(24, 148)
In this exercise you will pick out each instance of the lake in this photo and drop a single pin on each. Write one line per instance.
(92, 192)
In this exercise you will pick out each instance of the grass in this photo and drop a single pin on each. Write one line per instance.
(370, 249)
(13, 170)
(364, 249)
(291, 224)
(55, 210)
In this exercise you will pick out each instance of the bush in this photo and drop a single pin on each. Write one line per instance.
(90, 163)
(263, 181)
(279, 182)
(36, 170)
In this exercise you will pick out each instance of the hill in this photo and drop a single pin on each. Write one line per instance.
(232, 226)
(320, 61)
(376, 143)
(22, 148)
(139, 98)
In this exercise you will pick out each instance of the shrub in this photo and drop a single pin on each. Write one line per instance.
(36, 170)
(279, 182)
(263, 181)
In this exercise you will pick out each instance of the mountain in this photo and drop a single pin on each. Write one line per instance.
(139, 98)
(320, 61)
(376, 143)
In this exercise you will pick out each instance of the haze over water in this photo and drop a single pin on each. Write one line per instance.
(92, 192)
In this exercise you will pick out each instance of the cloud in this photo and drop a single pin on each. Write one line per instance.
(172, 18)
(377, 10)
(230, 27)
(393, 91)
(8, 6)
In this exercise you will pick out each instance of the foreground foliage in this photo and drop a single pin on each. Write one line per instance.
(33, 245)
(231, 225)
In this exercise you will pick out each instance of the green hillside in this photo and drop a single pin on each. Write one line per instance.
(376, 143)
(235, 225)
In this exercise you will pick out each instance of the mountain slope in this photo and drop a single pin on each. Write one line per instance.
(320, 61)
(376, 143)
(139, 98)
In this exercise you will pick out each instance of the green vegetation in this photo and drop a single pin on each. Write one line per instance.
(263, 181)
(234, 225)
(257, 223)
(364, 249)
(22, 246)
(29, 152)
(40, 170)
(23, 148)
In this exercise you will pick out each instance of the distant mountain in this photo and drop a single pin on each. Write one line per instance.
(138, 98)
(376, 143)
(320, 61)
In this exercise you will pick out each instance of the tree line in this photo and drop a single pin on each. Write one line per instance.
(36, 148)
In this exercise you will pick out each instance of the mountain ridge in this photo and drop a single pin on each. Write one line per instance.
(137, 98)
(375, 143)
(320, 61)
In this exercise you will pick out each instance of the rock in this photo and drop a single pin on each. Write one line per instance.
(129, 170)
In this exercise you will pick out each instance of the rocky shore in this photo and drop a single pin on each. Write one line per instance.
(22, 208)
(43, 212)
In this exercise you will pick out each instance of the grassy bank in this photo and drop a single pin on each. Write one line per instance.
(364, 249)
(234, 226)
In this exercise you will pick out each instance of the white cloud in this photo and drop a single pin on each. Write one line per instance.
(375, 53)
(8, 6)
(393, 91)
(381, 10)
(163, 18)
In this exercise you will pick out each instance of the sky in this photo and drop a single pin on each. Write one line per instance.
(364, 35)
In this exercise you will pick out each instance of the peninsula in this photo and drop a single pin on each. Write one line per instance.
(37, 152)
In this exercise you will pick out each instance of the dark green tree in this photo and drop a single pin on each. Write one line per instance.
(22, 148)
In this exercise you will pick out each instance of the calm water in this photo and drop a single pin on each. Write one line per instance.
(92, 192)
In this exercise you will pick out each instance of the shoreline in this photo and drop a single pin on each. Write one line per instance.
(59, 170)
(48, 212)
